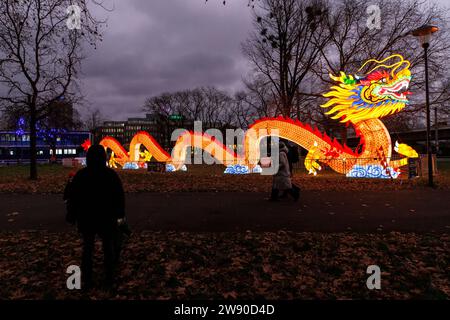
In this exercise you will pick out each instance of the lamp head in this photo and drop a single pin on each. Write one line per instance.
(424, 33)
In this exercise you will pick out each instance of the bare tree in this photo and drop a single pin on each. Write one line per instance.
(40, 55)
(261, 99)
(340, 41)
(3, 121)
(216, 111)
(241, 110)
(206, 104)
(194, 104)
(288, 39)
(352, 42)
(93, 119)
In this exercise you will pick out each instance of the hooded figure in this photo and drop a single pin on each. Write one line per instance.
(97, 201)
(282, 179)
(96, 157)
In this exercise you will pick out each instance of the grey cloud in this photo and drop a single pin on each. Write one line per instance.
(155, 46)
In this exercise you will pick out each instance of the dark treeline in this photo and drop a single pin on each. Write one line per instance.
(292, 48)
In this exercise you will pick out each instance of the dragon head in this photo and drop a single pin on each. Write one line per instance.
(381, 92)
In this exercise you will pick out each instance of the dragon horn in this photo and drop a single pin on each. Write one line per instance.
(380, 63)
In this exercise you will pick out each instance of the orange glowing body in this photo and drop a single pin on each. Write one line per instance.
(360, 101)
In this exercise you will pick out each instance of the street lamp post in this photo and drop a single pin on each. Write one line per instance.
(436, 138)
(424, 34)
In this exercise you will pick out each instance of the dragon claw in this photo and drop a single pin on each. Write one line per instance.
(311, 163)
(405, 150)
(312, 166)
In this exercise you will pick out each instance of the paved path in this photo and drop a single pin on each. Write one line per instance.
(405, 210)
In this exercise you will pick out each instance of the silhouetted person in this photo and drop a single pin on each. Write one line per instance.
(95, 203)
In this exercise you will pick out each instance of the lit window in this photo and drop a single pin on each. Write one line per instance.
(65, 151)
(58, 151)
(74, 151)
(51, 151)
(11, 152)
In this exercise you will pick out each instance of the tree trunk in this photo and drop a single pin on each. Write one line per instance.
(53, 147)
(33, 149)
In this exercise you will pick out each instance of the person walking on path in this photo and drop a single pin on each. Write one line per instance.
(293, 156)
(282, 179)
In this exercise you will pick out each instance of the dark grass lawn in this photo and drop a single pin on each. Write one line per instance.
(52, 179)
(444, 165)
(281, 265)
(242, 265)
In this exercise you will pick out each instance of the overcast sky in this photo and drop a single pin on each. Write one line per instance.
(155, 46)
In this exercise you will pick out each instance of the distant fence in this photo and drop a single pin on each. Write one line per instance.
(18, 162)
(421, 163)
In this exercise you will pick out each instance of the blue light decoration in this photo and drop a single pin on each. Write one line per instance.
(171, 168)
(257, 169)
(372, 171)
(48, 133)
(41, 131)
(130, 166)
(242, 169)
(237, 169)
(20, 131)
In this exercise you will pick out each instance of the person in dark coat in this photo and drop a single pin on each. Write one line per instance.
(96, 202)
(282, 179)
(292, 155)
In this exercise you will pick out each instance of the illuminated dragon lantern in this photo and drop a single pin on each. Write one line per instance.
(357, 100)
(362, 101)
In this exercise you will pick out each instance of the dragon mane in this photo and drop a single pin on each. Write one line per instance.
(358, 98)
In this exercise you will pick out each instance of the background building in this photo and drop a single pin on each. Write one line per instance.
(15, 147)
(158, 126)
(57, 135)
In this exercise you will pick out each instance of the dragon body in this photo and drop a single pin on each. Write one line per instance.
(360, 101)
